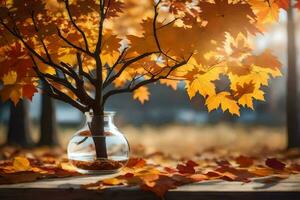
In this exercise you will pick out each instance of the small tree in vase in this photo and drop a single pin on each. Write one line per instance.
(83, 52)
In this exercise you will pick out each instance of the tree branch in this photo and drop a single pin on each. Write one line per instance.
(67, 4)
(125, 65)
(54, 92)
(154, 78)
(100, 31)
(155, 32)
(72, 44)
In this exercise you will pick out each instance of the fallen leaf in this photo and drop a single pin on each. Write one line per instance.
(275, 164)
(21, 164)
(244, 161)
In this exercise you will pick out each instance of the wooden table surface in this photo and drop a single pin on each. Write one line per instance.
(69, 188)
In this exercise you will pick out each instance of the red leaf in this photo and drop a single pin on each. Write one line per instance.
(191, 163)
(184, 169)
(297, 5)
(128, 175)
(212, 174)
(284, 4)
(170, 170)
(244, 161)
(28, 91)
(275, 164)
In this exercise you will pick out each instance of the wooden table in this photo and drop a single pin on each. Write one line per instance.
(69, 188)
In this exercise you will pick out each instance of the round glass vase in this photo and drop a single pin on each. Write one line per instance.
(82, 151)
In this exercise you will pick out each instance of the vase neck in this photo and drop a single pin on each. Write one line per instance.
(108, 118)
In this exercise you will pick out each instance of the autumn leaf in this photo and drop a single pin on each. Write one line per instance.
(275, 164)
(244, 161)
(21, 164)
(223, 100)
(137, 44)
(266, 12)
(284, 4)
(112, 181)
(136, 163)
(142, 94)
(160, 185)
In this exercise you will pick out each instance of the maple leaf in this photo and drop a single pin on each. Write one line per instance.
(159, 185)
(275, 164)
(245, 93)
(284, 4)
(244, 161)
(136, 162)
(63, 36)
(29, 90)
(202, 81)
(266, 61)
(266, 11)
(21, 164)
(169, 82)
(187, 168)
(222, 14)
(142, 94)
(223, 100)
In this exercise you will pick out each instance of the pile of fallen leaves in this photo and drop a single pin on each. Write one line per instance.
(159, 173)
(26, 165)
(156, 172)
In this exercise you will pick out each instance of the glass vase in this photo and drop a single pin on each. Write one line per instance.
(82, 151)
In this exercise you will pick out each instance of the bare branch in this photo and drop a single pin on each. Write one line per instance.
(81, 71)
(100, 31)
(155, 32)
(125, 65)
(40, 38)
(115, 65)
(154, 78)
(54, 92)
(72, 44)
(67, 4)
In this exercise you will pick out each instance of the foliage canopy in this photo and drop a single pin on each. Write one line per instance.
(85, 51)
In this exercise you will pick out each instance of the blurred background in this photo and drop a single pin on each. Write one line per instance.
(172, 123)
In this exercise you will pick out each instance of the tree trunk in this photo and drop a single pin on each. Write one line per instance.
(19, 125)
(48, 134)
(292, 87)
(97, 129)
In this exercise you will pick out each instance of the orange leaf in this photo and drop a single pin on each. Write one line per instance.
(21, 164)
(136, 163)
(142, 94)
(159, 186)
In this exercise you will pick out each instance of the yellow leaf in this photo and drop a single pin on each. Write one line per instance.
(10, 78)
(202, 82)
(170, 83)
(142, 94)
(224, 100)
(112, 181)
(21, 164)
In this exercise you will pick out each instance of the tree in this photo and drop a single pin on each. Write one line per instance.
(86, 51)
(19, 125)
(48, 134)
(292, 84)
